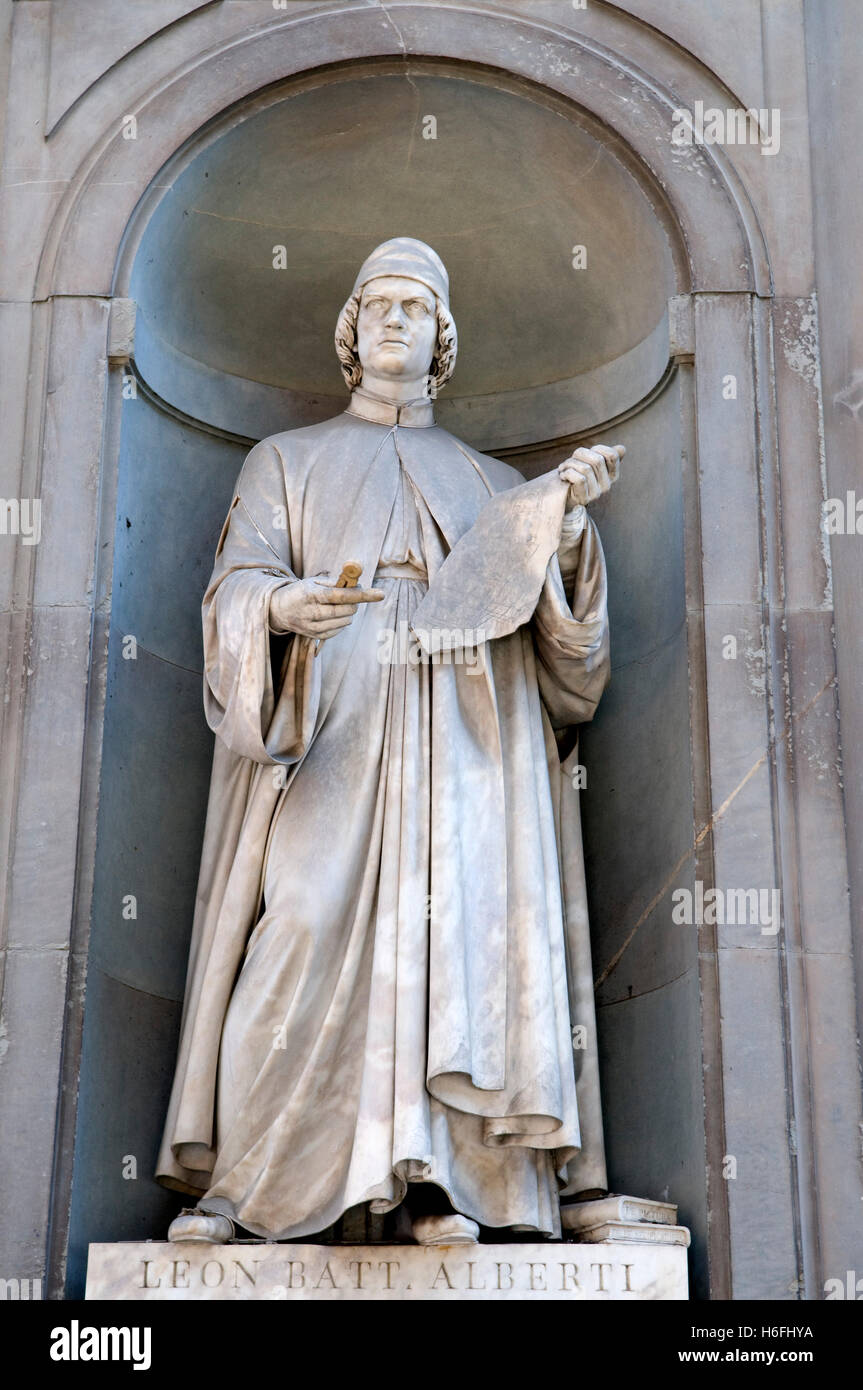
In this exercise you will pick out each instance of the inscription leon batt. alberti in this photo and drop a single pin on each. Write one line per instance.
(324, 1273)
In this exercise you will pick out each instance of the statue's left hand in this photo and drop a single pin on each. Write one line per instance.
(590, 473)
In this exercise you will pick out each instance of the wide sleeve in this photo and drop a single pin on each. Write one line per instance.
(260, 690)
(570, 629)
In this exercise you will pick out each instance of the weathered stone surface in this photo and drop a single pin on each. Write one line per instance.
(754, 1054)
(634, 1233)
(580, 1216)
(156, 1271)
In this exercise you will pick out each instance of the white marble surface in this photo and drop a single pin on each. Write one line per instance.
(582, 1216)
(634, 1232)
(157, 1270)
(434, 1027)
(185, 74)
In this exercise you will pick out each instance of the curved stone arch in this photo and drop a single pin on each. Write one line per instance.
(717, 223)
(260, 99)
(498, 422)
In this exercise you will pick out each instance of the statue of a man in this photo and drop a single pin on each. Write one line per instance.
(389, 989)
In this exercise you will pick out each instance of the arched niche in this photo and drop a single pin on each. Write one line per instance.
(177, 462)
(244, 263)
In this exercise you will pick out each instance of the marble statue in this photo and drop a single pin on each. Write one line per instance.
(389, 993)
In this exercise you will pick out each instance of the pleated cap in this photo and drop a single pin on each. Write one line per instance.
(403, 255)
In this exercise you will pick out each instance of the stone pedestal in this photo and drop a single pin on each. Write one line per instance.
(618, 1219)
(605, 1271)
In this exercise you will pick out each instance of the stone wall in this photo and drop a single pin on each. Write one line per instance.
(728, 1054)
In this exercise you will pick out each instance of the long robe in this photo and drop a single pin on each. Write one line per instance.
(390, 953)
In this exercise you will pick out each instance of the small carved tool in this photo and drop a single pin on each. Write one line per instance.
(349, 575)
(346, 580)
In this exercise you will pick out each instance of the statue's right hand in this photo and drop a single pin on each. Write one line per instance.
(315, 607)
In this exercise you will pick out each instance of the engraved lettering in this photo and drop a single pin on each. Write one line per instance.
(241, 1268)
(220, 1273)
(441, 1271)
(329, 1273)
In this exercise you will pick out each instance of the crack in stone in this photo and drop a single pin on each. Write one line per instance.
(705, 830)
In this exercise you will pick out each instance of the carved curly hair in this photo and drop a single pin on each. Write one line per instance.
(442, 364)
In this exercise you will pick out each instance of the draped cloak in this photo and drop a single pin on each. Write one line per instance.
(389, 976)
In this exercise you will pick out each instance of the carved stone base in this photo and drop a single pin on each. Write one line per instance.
(616, 1219)
(606, 1271)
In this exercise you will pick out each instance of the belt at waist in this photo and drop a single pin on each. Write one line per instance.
(401, 571)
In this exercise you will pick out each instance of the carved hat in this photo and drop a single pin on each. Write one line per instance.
(405, 256)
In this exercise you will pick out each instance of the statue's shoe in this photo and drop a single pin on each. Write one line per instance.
(445, 1230)
(195, 1225)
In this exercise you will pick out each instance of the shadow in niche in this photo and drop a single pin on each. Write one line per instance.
(223, 335)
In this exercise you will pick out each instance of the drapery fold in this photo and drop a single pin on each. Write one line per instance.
(387, 880)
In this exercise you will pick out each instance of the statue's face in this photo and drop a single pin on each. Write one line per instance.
(396, 328)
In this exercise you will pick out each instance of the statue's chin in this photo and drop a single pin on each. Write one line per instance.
(395, 364)
(390, 366)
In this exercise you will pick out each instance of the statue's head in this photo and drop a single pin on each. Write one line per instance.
(397, 324)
